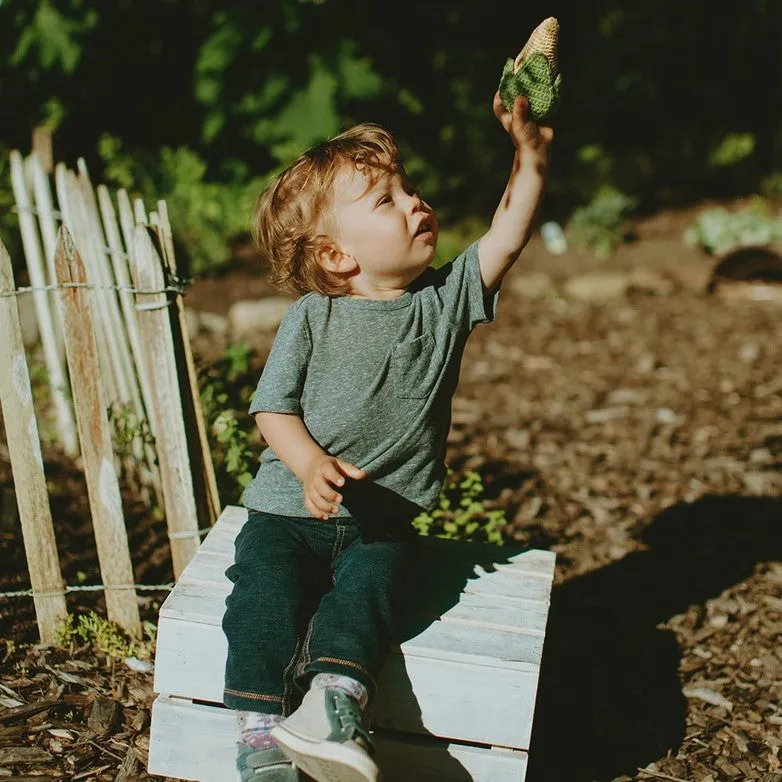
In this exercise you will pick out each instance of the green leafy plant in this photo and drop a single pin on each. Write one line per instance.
(204, 214)
(128, 428)
(223, 388)
(461, 514)
(237, 454)
(105, 636)
(599, 226)
(718, 231)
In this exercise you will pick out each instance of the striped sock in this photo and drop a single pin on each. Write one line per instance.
(335, 681)
(255, 728)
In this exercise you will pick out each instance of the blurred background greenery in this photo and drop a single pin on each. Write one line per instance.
(201, 102)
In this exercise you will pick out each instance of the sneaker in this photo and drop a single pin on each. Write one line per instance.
(264, 765)
(327, 738)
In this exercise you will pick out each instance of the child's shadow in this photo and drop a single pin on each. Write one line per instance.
(609, 697)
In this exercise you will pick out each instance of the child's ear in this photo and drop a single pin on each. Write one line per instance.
(332, 258)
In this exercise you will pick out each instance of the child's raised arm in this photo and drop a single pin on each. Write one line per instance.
(318, 471)
(511, 226)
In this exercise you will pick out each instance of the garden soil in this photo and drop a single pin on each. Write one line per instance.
(631, 422)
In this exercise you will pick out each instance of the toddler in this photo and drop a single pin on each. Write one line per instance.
(354, 403)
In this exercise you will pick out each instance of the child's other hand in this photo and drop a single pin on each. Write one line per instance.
(324, 474)
(532, 141)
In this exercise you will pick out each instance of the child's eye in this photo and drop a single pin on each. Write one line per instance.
(384, 200)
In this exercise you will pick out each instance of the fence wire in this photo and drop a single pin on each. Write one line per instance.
(90, 588)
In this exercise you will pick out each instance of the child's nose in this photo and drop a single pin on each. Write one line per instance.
(416, 202)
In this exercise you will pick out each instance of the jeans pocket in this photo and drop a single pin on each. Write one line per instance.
(412, 369)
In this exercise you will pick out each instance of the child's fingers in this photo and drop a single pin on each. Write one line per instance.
(351, 470)
(320, 505)
(332, 473)
(498, 106)
(313, 508)
(520, 109)
(325, 490)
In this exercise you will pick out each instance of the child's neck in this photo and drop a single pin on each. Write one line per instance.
(367, 291)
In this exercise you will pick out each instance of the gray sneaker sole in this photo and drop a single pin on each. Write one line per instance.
(326, 761)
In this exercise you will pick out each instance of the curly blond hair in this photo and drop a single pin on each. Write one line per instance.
(291, 209)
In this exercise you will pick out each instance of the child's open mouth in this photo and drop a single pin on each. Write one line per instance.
(424, 228)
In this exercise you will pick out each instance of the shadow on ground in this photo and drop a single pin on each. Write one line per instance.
(609, 697)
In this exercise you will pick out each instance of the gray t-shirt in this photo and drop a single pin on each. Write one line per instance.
(373, 381)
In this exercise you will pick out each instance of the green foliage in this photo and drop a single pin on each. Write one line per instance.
(599, 226)
(128, 428)
(51, 37)
(9, 224)
(734, 148)
(461, 514)
(105, 636)
(718, 231)
(771, 185)
(454, 239)
(223, 388)
(248, 85)
(204, 214)
(292, 96)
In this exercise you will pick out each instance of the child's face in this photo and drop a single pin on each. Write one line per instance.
(386, 227)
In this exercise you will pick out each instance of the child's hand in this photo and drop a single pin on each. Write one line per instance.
(533, 142)
(324, 473)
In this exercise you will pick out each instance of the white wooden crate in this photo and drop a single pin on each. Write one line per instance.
(455, 699)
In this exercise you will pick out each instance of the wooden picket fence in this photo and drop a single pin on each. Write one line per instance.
(114, 341)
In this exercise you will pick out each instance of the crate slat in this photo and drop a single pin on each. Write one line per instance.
(208, 754)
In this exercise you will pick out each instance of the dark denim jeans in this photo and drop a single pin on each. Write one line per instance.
(309, 596)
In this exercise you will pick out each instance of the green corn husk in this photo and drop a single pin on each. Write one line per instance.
(535, 73)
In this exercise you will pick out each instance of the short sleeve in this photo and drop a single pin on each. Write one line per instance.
(461, 293)
(282, 380)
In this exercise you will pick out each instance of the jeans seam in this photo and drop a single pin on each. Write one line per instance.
(254, 696)
(287, 678)
(305, 655)
(338, 540)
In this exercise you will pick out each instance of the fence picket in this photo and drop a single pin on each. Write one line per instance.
(78, 225)
(119, 263)
(114, 346)
(24, 448)
(139, 212)
(48, 224)
(119, 340)
(66, 427)
(42, 148)
(89, 401)
(207, 495)
(159, 355)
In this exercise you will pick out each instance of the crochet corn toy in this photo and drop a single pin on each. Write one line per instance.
(535, 73)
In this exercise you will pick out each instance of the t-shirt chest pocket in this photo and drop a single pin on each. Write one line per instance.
(412, 370)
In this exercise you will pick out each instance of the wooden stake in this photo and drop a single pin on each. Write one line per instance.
(42, 148)
(48, 225)
(102, 484)
(78, 226)
(66, 429)
(24, 448)
(158, 347)
(128, 300)
(207, 495)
